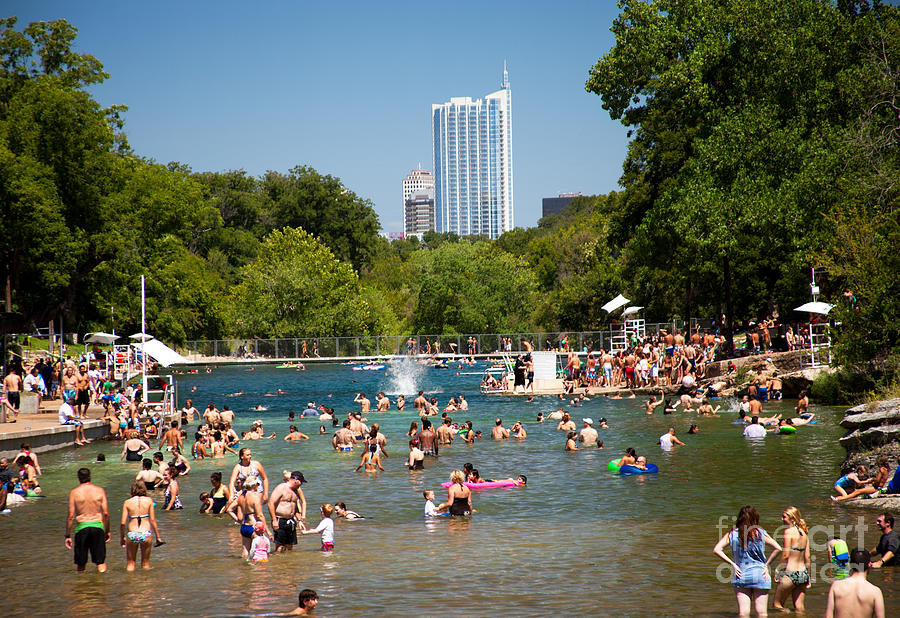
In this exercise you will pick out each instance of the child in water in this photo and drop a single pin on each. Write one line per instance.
(260, 547)
(325, 528)
(430, 509)
(205, 502)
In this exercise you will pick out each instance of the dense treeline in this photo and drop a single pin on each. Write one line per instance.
(763, 143)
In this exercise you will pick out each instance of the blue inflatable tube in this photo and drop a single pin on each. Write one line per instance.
(626, 469)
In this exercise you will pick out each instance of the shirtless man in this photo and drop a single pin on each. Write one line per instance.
(89, 513)
(630, 362)
(13, 385)
(428, 439)
(357, 427)
(445, 436)
(67, 384)
(419, 403)
(82, 392)
(364, 403)
(384, 404)
(499, 432)
(227, 415)
(285, 503)
(756, 407)
(343, 439)
(652, 404)
(802, 404)
(566, 424)
(211, 414)
(854, 596)
(172, 438)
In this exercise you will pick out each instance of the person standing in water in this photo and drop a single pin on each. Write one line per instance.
(751, 579)
(138, 526)
(285, 509)
(89, 514)
(459, 497)
(855, 595)
(795, 556)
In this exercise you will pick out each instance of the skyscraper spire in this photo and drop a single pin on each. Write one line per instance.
(505, 83)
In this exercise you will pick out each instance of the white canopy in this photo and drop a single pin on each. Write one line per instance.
(140, 336)
(618, 301)
(815, 307)
(632, 309)
(102, 338)
(161, 353)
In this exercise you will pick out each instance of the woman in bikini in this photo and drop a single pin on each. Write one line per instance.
(138, 526)
(371, 460)
(795, 556)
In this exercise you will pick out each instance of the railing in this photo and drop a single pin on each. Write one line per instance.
(394, 345)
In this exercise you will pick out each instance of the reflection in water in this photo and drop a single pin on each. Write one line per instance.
(577, 540)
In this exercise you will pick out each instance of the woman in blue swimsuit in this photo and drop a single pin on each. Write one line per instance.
(751, 580)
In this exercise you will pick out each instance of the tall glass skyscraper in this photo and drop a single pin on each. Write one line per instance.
(473, 174)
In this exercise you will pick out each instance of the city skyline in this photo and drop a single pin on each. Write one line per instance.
(342, 88)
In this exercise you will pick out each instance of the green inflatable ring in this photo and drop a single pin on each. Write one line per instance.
(614, 465)
(787, 429)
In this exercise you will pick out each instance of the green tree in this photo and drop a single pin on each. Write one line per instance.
(472, 288)
(297, 288)
(325, 208)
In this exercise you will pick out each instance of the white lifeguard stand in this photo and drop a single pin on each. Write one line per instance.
(618, 339)
(634, 324)
(819, 332)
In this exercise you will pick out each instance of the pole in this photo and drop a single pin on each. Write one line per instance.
(143, 337)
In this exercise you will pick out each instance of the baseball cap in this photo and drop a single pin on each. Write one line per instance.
(589, 421)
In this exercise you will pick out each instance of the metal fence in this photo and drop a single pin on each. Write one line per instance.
(392, 345)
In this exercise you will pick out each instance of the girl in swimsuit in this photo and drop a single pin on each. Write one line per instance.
(795, 556)
(459, 497)
(172, 500)
(148, 476)
(138, 526)
(371, 460)
(134, 448)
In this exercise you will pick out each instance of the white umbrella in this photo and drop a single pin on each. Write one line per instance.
(141, 336)
(631, 310)
(815, 307)
(618, 301)
(102, 338)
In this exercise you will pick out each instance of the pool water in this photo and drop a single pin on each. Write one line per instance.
(577, 540)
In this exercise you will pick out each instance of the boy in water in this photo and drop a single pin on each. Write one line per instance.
(325, 528)
(430, 509)
(306, 603)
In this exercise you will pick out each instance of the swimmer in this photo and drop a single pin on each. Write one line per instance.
(371, 460)
(430, 508)
(138, 526)
(628, 459)
(640, 463)
(652, 404)
(570, 441)
(416, 460)
(540, 417)
(296, 435)
(341, 510)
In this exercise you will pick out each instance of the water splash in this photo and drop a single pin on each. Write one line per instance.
(405, 377)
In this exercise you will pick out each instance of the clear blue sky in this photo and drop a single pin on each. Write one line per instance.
(347, 87)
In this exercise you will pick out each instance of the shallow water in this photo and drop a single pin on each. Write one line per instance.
(577, 540)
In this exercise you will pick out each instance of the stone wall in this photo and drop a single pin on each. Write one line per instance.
(873, 430)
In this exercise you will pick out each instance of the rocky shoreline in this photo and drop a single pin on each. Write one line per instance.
(873, 430)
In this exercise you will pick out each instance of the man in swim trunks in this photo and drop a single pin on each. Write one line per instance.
(89, 513)
(343, 439)
(428, 439)
(445, 436)
(172, 438)
(285, 503)
(364, 403)
(13, 385)
(82, 392)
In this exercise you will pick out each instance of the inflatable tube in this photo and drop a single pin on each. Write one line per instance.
(613, 466)
(486, 484)
(787, 430)
(627, 470)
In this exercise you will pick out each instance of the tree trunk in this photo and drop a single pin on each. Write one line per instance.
(729, 336)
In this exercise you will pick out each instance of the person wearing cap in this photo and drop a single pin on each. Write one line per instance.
(285, 503)
(260, 546)
(588, 435)
(67, 417)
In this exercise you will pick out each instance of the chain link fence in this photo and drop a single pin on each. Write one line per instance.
(395, 345)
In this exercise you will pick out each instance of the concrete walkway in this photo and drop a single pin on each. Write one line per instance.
(42, 431)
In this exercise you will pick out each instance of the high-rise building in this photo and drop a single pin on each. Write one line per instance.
(473, 172)
(418, 214)
(418, 181)
(555, 205)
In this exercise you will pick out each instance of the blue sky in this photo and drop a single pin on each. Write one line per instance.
(347, 87)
